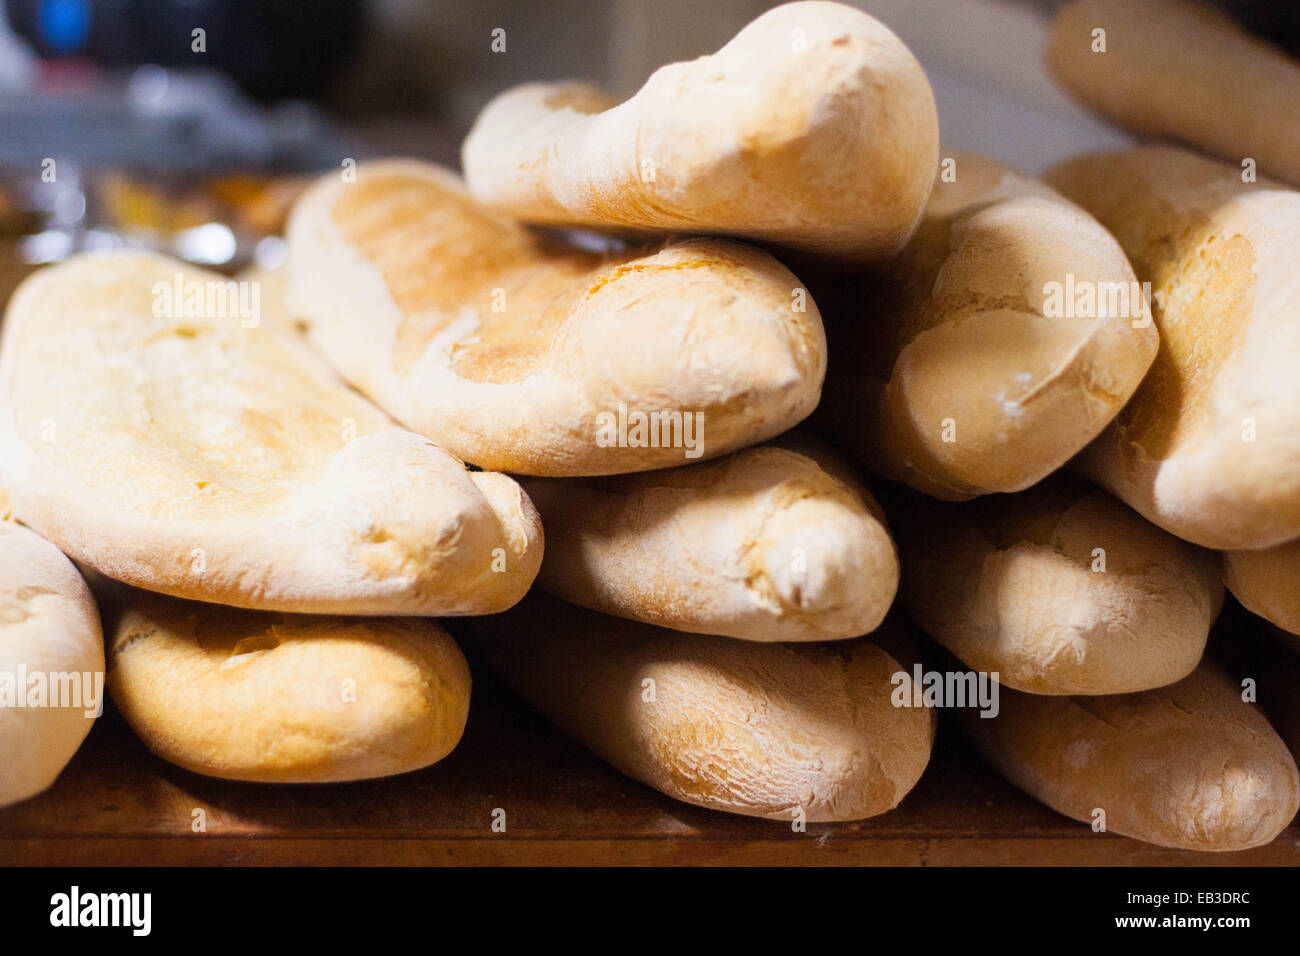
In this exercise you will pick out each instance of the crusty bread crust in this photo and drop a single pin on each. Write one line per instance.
(194, 457)
(813, 128)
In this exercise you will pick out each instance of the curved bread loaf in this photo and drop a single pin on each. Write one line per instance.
(1185, 70)
(981, 363)
(279, 698)
(1209, 447)
(1189, 765)
(52, 654)
(1267, 582)
(1060, 589)
(768, 544)
(765, 730)
(814, 127)
(518, 353)
(216, 457)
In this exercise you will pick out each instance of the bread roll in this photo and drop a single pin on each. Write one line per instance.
(1267, 582)
(519, 354)
(1190, 765)
(974, 369)
(1209, 447)
(1185, 70)
(1060, 589)
(51, 663)
(814, 128)
(285, 698)
(185, 453)
(767, 544)
(763, 730)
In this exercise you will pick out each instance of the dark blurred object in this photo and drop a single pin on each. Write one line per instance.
(272, 48)
(1278, 20)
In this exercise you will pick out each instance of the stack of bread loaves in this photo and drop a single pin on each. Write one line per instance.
(1074, 388)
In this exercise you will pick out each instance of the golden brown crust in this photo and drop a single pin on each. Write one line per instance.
(814, 128)
(1189, 765)
(279, 698)
(511, 350)
(762, 730)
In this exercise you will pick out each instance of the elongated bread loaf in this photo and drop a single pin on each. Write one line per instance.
(764, 730)
(1190, 765)
(51, 663)
(767, 544)
(171, 447)
(519, 354)
(1209, 447)
(982, 364)
(286, 698)
(1267, 582)
(814, 128)
(1060, 589)
(1182, 69)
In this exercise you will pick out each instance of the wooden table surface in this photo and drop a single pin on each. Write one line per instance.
(118, 804)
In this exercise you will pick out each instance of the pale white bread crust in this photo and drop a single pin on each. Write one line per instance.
(955, 380)
(202, 460)
(506, 347)
(276, 698)
(1190, 765)
(1183, 70)
(756, 729)
(1060, 589)
(1209, 447)
(767, 544)
(48, 624)
(814, 128)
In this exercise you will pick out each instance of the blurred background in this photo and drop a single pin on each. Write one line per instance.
(191, 125)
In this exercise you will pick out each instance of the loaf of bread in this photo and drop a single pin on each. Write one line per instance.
(783, 731)
(1182, 69)
(286, 698)
(768, 544)
(1060, 589)
(1209, 447)
(1001, 342)
(215, 457)
(519, 354)
(813, 128)
(51, 663)
(1267, 582)
(1190, 765)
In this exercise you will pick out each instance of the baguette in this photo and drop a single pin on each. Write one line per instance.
(767, 544)
(1190, 765)
(519, 354)
(1209, 447)
(1267, 583)
(1059, 590)
(1184, 70)
(49, 639)
(281, 698)
(814, 128)
(184, 453)
(973, 374)
(764, 730)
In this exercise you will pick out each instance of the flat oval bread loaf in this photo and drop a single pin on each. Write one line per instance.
(522, 355)
(286, 698)
(1060, 589)
(1005, 337)
(767, 544)
(1189, 765)
(185, 453)
(814, 128)
(1209, 447)
(1267, 582)
(51, 663)
(764, 730)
